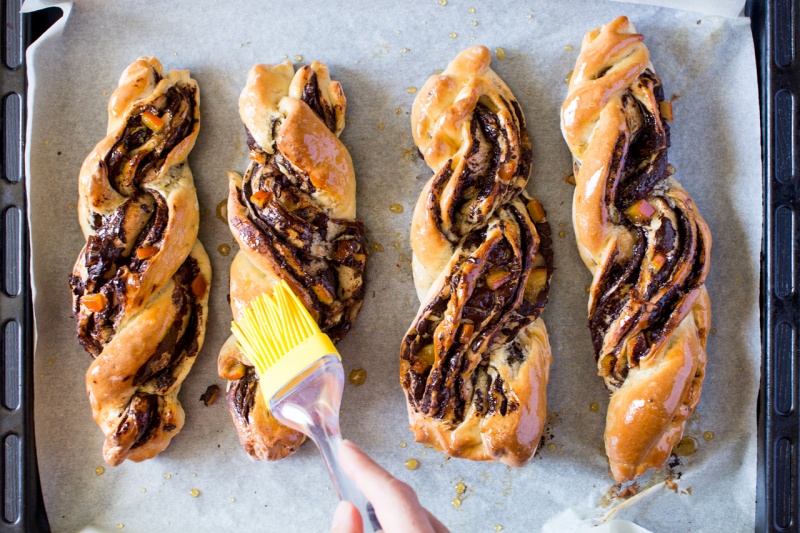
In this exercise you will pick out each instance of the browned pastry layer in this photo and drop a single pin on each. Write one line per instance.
(646, 244)
(293, 215)
(140, 285)
(475, 362)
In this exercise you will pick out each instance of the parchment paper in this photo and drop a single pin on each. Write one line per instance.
(379, 50)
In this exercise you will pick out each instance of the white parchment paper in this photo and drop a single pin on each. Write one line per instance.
(379, 50)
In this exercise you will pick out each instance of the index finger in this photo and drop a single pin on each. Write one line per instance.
(396, 504)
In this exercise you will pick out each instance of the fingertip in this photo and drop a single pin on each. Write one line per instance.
(346, 519)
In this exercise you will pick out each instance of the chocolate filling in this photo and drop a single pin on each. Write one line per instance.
(482, 306)
(125, 239)
(480, 189)
(242, 395)
(159, 373)
(321, 256)
(639, 296)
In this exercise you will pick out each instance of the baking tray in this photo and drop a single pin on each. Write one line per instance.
(774, 24)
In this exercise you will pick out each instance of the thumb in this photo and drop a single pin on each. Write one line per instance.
(346, 519)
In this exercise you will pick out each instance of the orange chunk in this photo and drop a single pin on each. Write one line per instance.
(147, 251)
(641, 212)
(344, 249)
(323, 294)
(153, 122)
(427, 355)
(666, 110)
(94, 302)
(466, 333)
(198, 286)
(260, 198)
(537, 281)
(497, 277)
(535, 210)
(359, 257)
(659, 260)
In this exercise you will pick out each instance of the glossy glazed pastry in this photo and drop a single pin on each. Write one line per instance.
(140, 285)
(293, 215)
(475, 362)
(646, 245)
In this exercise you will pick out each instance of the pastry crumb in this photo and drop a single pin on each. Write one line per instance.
(210, 395)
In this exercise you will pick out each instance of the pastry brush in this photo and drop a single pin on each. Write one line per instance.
(301, 378)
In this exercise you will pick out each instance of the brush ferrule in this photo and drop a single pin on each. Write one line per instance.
(287, 370)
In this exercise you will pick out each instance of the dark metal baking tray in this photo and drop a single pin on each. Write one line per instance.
(775, 26)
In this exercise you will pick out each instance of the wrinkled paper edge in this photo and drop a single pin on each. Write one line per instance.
(52, 32)
(720, 8)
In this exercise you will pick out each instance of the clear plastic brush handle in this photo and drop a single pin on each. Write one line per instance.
(311, 406)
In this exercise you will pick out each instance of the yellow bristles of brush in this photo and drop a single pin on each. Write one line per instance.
(281, 339)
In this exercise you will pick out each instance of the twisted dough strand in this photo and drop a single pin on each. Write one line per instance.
(140, 285)
(646, 245)
(475, 362)
(293, 215)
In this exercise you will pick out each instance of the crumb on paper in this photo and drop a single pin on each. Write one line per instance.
(210, 395)
(628, 492)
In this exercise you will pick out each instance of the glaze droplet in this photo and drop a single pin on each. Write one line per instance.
(222, 211)
(687, 446)
(358, 376)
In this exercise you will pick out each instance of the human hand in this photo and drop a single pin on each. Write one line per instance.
(396, 504)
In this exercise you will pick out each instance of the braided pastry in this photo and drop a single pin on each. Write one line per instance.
(475, 362)
(140, 285)
(293, 215)
(646, 245)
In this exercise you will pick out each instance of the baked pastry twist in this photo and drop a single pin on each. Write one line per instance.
(475, 362)
(293, 215)
(140, 285)
(646, 244)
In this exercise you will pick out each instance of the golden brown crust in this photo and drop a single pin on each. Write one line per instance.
(140, 285)
(475, 363)
(647, 246)
(511, 438)
(441, 120)
(293, 215)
